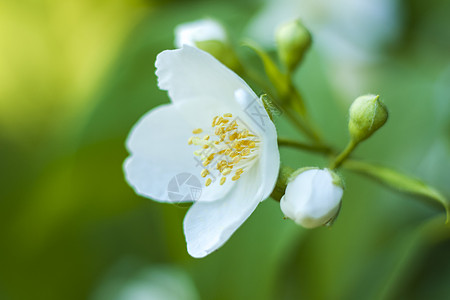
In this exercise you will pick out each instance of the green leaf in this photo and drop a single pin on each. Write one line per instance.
(399, 181)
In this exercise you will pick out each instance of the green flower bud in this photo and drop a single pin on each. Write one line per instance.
(293, 39)
(367, 114)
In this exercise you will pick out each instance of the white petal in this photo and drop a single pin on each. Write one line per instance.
(190, 73)
(159, 151)
(207, 226)
(269, 156)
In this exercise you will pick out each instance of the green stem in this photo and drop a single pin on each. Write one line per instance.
(297, 103)
(300, 124)
(302, 146)
(296, 99)
(344, 155)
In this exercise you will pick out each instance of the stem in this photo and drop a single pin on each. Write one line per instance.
(296, 99)
(290, 99)
(344, 154)
(300, 124)
(297, 104)
(302, 146)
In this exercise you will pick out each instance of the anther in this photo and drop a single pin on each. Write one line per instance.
(226, 171)
(214, 121)
(204, 172)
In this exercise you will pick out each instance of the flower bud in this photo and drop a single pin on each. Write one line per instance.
(199, 31)
(367, 114)
(312, 197)
(209, 36)
(293, 39)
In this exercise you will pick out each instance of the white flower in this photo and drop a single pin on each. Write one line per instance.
(199, 31)
(312, 198)
(210, 130)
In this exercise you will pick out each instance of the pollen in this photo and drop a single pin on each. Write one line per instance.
(228, 146)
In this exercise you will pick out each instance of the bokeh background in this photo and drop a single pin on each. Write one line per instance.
(77, 74)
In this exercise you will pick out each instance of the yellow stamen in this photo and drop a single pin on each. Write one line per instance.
(214, 121)
(229, 144)
(226, 171)
(233, 154)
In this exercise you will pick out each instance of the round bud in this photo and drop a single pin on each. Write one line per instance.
(367, 115)
(293, 39)
(312, 197)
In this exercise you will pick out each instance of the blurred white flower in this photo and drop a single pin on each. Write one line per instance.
(236, 156)
(157, 282)
(312, 198)
(348, 34)
(199, 31)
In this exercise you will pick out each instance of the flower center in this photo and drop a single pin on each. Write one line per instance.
(229, 152)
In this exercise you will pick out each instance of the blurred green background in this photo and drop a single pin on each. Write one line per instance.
(76, 75)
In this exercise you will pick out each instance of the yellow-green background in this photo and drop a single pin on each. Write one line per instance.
(76, 75)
